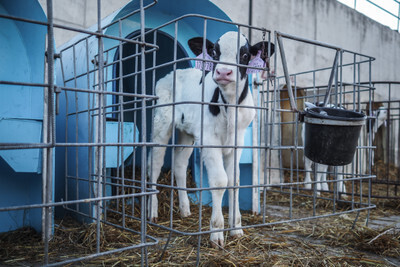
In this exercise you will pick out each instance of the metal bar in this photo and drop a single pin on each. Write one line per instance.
(70, 202)
(206, 18)
(286, 72)
(60, 26)
(130, 14)
(48, 131)
(108, 93)
(99, 127)
(143, 225)
(317, 43)
(383, 9)
(331, 77)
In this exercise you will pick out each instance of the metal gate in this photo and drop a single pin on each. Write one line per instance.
(107, 101)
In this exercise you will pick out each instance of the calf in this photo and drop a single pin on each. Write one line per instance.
(214, 124)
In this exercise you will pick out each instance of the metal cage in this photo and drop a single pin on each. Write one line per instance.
(106, 101)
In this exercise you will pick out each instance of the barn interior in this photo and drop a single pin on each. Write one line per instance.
(77, 121)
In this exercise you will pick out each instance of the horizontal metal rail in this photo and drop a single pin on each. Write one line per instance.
(85, 200)
(60, 26)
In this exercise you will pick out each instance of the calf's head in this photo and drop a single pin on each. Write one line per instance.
(226, 50)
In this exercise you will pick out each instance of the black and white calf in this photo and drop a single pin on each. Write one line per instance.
(219, 123)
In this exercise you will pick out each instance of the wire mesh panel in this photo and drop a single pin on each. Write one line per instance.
(274, 183)
(102, 137)
(339, 187)
(77, 181)
(186, 128)
(384, 130)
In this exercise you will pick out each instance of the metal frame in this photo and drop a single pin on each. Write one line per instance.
(386, 184)
(51, 102)
(266, 132)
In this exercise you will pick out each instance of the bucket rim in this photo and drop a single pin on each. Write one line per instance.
(323, 121)
(354, 116)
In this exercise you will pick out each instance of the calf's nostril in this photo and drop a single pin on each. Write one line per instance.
(224, 72)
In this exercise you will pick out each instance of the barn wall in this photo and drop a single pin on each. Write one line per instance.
(80, 14)
(326, 21)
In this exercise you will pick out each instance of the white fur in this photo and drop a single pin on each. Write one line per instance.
(217, 131)
(380, 119)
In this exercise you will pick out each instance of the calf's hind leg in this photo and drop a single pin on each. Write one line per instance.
(182, 155)
(161, 135)
(216, 178)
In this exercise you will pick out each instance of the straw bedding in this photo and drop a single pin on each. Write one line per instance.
(328, 241)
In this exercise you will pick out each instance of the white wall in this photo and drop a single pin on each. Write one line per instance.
(80, 14)
(327, 21)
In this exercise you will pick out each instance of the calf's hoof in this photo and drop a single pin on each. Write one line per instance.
(153, 219)
(217, 244)
(217, 240)
(237, 233)
(185, 212)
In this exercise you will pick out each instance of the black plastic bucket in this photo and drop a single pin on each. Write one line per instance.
(331, 135)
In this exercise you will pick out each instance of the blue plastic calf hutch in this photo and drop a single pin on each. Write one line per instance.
(22, 56)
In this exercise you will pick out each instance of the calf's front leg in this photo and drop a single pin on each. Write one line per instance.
(234, 211)
(217, 177)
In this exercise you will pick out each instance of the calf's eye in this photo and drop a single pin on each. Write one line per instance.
(214, 54)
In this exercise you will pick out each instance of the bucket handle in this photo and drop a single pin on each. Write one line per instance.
(293, 104)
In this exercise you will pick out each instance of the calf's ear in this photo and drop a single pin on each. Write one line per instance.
(196, 45)
(259, 47)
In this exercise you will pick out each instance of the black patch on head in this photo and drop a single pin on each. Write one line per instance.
(260, 46)
(245, 91)
(213, 108)
(216, 54)
(244, 59)
(196, 45)
(183, 117)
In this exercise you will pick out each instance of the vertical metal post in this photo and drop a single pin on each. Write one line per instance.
(143, 215)
(90, 126)
(76, 129)
(48, 121)
(173, 123)
(201, 148)
(99, 149)
(120, 154)
(286, 72)
(331, 77)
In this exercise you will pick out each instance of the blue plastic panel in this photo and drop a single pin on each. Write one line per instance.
(19, 189)
(112, 137)
(22, 50)
(21, 131)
